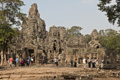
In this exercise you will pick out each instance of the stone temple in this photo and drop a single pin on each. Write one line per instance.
(34, 40)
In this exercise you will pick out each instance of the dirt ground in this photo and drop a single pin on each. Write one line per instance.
(48, 72)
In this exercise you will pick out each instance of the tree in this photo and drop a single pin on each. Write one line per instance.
(10, 14)
(111, 41)
(112, 10)
(10, 11)
(87, 38)
(6, 35)
(74, 30)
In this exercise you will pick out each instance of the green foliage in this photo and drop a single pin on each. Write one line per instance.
(112, 10)
(6, 35)
(10, 11)
(10, 14)
(87, 38)
(74, 30)
(111, 41)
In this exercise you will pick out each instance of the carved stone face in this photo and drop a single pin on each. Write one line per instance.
(95, 35)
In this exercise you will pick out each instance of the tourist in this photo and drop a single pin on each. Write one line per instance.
(71, 61)
(75, 63)
(108, 61)
(102, 61)
(10, 62)
(84, 61)
(89, 63)
(22, 62)
(32, 60)
(56, 61)
(93, 62)
(14, 62)
(17, 62)
(28, 61)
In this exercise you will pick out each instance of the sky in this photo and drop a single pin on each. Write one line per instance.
(68, 13)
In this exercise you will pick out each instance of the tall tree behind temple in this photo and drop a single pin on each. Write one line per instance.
(10, 14)
(110, 40)
(74, 30)
(112, 10)
(87, 38)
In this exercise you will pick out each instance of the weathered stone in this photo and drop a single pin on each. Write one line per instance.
(15, 76)
(5, 76)
(45, 46)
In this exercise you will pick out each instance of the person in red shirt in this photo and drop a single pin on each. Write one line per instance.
(10, 62)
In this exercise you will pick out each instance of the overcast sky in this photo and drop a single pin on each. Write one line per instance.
(70, 13)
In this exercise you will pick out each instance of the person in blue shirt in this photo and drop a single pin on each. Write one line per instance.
(17, 62)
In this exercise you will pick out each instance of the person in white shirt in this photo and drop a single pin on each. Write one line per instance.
(84, 61)
(56, 61)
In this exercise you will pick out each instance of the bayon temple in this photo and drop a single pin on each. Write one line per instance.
(34, 40)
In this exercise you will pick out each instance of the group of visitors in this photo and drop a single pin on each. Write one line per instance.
(91, 62)
(73, 63)
(20, 61)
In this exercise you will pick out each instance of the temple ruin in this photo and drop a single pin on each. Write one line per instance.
(34, 40)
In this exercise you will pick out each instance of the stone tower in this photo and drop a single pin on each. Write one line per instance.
(33, 33)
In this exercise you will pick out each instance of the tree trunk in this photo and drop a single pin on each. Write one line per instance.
(5, 62)
(2, 58)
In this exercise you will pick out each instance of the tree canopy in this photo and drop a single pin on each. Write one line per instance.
(112, 10)
(10, 11)
(6, 35)
(10, 14)
(110, 40)
(74, 30)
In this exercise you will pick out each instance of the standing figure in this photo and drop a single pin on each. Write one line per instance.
(71, 61)
(93, 63)
(28, 61)
(75, 63)
(10, 62)
(89, 63)
(22, 62)
(17, 62)
(56, 61)
(84, 63)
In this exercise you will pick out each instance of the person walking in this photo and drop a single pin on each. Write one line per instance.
(10, 62)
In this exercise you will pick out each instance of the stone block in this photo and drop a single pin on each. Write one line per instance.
(4, 76)
(15, 76)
